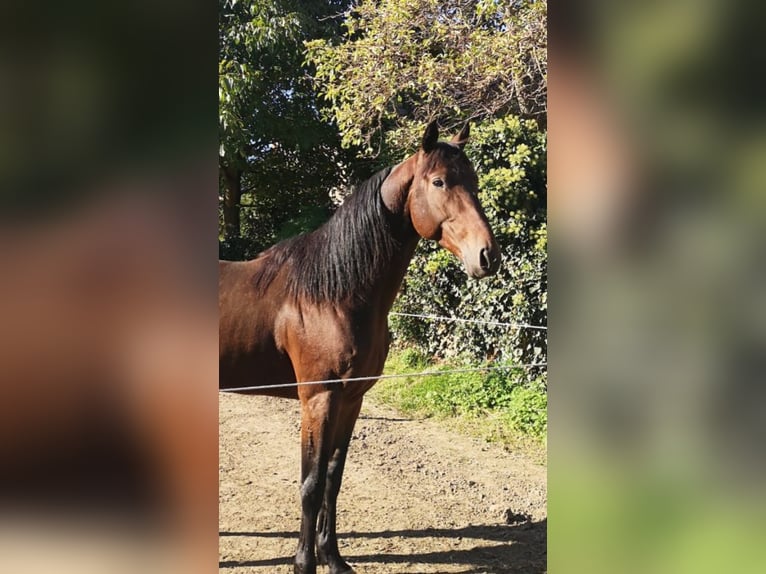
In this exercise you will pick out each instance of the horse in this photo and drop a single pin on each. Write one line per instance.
(315, 307)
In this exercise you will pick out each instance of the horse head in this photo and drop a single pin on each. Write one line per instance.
(443, 203)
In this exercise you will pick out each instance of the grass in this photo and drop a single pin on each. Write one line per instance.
(499, 406)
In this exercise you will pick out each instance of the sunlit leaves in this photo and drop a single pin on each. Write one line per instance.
(510, 157)
(272, 138)
(405, 62)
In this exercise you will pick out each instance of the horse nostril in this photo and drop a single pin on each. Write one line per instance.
(484, 259)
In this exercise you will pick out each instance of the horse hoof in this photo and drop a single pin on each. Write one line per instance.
(304, 569)
(336, 566)
(342, 569)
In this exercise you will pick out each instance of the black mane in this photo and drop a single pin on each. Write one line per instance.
(341, 259)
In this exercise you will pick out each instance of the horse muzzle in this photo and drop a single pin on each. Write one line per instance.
(483, 262)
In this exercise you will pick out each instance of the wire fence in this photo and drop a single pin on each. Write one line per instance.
(381, 377)
(458, 320)
(405, 375)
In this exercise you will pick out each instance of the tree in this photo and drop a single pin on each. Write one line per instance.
(510, 158)
(276, 150)
(405, 62)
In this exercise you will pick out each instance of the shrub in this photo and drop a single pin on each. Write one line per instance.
(509, 155)
(527, 410)
(519, 406)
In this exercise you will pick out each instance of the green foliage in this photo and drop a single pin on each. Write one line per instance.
(272, 135)
(509, 155)
(254, 41)
(265, 94)
(269, 218)
(521, 407)
(304, 95)
(405, 62)
(527, 411)
(412, 358)
(400, 64)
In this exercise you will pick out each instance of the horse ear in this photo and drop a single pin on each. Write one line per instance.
(431, 137)
(462, 138)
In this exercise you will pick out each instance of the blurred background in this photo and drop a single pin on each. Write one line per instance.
(657, 297)
(108, 368)
(108, 245)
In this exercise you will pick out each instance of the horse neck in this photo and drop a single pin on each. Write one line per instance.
(394, 192)
(387, 287)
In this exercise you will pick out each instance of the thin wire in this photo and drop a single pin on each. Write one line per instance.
(438, 317)
(378, 377)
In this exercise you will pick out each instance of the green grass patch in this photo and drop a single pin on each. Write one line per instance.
(502, 406)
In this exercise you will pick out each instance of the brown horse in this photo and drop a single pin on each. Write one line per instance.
(315, 307)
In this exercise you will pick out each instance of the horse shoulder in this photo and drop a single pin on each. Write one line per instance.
(316, 337)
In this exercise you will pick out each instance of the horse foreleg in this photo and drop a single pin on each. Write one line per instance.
(327, 540)
(319, 414)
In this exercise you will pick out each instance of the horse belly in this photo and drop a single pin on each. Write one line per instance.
(249, 357)
(256, 367)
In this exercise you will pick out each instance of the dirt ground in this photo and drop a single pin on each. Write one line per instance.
(417, 498)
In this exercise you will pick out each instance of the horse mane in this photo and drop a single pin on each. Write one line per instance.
(344, 257)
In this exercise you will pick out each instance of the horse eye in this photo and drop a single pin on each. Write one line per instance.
(438, 182)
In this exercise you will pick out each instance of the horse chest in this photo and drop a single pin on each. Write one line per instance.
(344, 344)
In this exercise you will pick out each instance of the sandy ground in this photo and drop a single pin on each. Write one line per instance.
(416, 497)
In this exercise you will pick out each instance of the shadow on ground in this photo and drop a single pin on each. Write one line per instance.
(522, 548)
